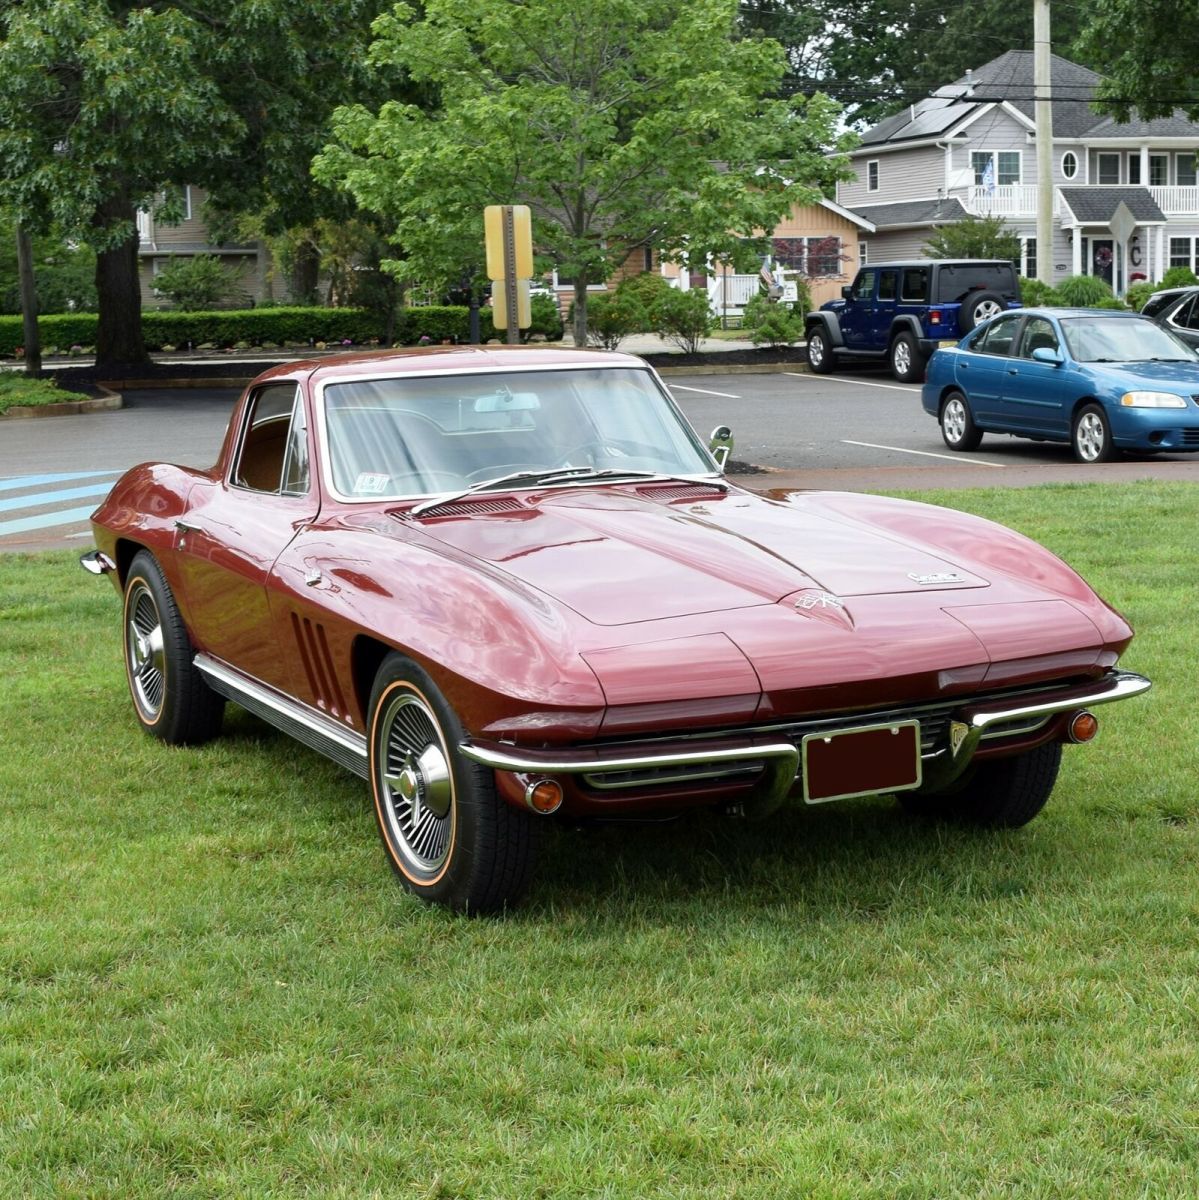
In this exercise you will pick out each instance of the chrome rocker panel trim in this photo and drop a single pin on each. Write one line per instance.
(312, 728)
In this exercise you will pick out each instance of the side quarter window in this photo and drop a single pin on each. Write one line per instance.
(273, 454)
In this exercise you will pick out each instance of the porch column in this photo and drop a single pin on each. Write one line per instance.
(1076, 252)
(1163, 242)
(1145, 166)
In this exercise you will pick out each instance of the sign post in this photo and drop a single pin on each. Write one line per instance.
(508, 236)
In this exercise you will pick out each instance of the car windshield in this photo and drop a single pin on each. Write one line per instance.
(1119, 339)
(426, 434)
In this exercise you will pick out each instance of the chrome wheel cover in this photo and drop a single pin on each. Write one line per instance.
(415, 787)
(901, 357)
(1089, 437)
(816, 350)
(144, 655)
(953, 420)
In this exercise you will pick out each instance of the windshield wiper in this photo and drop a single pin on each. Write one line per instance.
(553, 475)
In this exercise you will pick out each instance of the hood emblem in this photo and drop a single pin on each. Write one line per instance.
(810, 600)
(936, 578)
(957, 735)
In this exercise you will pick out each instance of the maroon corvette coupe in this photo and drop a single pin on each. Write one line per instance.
(506, 583)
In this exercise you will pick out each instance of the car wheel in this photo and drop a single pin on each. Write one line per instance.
(978, 307)
(170, 698)
(907, 363)
(1092, 435)
(1003, 793)
(820, 357)
(447, 833)
(957, 425)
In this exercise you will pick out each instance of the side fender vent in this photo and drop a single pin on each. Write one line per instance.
(318, 666)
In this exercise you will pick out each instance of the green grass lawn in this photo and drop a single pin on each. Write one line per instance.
(211, 986)
(18, 390)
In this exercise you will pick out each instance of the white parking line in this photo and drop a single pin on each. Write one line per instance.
(678, 387)
(957, 458)
(894, 387)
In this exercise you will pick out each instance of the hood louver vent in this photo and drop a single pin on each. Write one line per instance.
(462, 508)
(684, 491)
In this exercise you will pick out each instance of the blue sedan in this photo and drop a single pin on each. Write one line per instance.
(1102, 380)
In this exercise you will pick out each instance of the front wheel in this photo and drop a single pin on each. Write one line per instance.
(907, 363)
(447, 833)
(170, 698)
(820, 355)
(957, 425)
(1002, 793)
(1092, 436)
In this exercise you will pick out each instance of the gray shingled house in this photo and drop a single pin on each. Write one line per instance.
(970, 149)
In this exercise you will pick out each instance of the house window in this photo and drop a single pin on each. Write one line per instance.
(814, 256)
(1134, 168)
(1159, 170)
(1181, 252)
(1000, 167)
(872, 175)
(180, 199)
(1185, 170)
(1028, 265)
(1108, 168)
(1069, 164)
(863, 253)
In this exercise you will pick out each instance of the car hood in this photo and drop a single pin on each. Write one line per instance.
(1180, 377)
(622, 554)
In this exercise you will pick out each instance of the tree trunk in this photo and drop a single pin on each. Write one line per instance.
(119, 330)
(32, 338)
(580, 325)
(305, 273)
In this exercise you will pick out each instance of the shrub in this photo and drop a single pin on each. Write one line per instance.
(772, 323)
(1083, 291)
(547, 319)
(684, 318)
(196, 282)
(612, 316)
(649, 290)
(1178, 277)
(1036, 294)
(1138, 293)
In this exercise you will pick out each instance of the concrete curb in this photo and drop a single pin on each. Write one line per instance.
(737, 369)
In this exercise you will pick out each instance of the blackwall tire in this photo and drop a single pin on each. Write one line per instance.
(170, 698)
(820, 355)
(958, 430)
(448, 835)
(907, 363)
(1091, 435)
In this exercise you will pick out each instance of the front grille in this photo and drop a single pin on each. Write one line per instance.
(1190, 437)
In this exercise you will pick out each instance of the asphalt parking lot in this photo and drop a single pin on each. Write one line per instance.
(854, 431)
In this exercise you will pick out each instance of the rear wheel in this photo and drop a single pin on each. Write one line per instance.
(1003, 793)
(170, 698)
(447, 833)
(907, 363)
(957, 425)
(820, 355)
(1092, 436)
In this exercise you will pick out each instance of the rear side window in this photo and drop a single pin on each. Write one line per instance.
(1187, 316)
(997, 338)
(953, 282)
(915, 285)
(888, 282)
(1156, 304)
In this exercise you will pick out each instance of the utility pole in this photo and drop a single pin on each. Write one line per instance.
(1042, 85)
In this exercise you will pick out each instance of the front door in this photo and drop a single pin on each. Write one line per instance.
(856, 316)
(238, 526)
(1103, 260)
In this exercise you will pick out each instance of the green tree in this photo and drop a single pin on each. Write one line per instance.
(974, 237)
(621, 123)
(65, 273)
(1150, 55)
(197, 282)
(875, 56)
(104, 103)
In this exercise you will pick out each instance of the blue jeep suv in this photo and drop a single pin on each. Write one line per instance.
(902, 311)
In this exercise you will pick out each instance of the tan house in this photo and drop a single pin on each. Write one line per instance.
(159, 242)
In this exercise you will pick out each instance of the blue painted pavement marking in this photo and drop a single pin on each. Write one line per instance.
(29, 481)
(39, 499)
(66, 516)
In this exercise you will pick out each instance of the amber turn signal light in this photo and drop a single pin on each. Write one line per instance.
(544, 795)
(1083, 726)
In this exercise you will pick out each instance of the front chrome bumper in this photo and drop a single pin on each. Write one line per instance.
(777, 756)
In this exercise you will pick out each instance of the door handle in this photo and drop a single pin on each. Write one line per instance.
(184, 527)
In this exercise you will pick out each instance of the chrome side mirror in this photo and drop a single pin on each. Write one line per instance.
(720, 443)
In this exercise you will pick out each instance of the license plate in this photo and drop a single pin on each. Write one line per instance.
(861, 762)
(943, 343)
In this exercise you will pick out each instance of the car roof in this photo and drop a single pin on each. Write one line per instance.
(940, 262)
(1071, 312)
(449, 359)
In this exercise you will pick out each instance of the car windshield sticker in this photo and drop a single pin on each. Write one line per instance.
(370, 484)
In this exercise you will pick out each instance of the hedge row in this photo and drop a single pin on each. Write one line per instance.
(257, 326)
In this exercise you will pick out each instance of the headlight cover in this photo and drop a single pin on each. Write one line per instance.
(1152, 400)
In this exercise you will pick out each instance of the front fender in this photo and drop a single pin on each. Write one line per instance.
(830, 323)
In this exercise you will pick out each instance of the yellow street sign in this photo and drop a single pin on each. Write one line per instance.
(508, 235)
(499, 304)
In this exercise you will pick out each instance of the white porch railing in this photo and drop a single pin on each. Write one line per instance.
(1007, 200)
(1176, 199)
(731, 293)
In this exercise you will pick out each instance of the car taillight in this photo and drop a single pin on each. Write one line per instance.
(934, 316)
